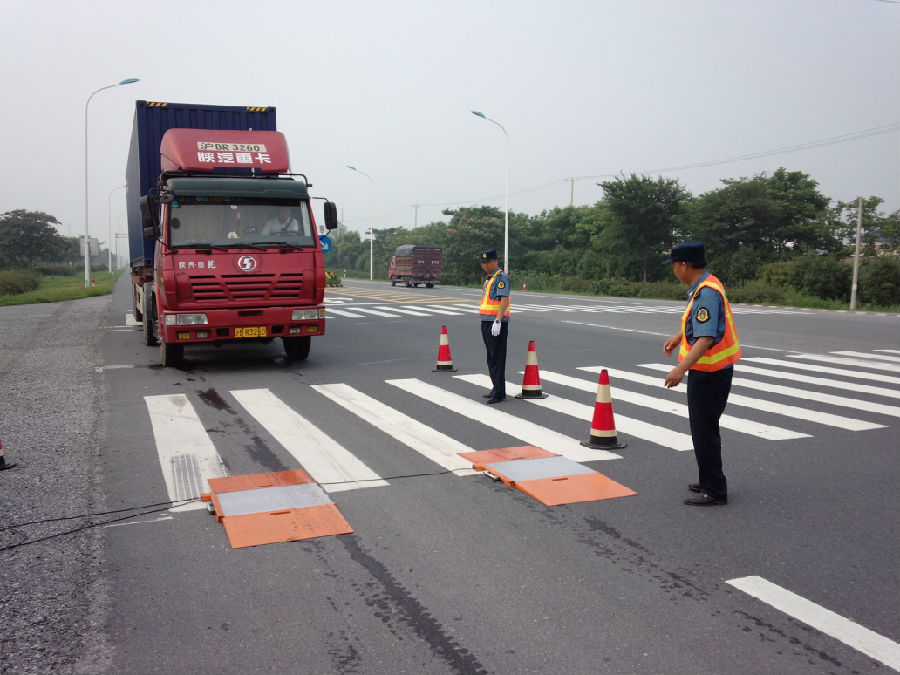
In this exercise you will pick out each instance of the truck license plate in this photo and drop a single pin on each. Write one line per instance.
(250, 332)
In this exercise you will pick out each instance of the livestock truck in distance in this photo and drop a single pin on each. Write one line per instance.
(414, 265)
(223, 243)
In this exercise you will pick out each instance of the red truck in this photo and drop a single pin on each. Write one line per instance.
(414, 265)
(227, 245)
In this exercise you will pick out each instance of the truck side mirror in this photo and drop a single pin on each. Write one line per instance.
(331, 220)
(150, 217)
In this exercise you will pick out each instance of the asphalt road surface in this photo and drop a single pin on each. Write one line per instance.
(447, 570)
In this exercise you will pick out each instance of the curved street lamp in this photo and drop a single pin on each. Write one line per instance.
(87, 248)
(506, 190)
(372, 220)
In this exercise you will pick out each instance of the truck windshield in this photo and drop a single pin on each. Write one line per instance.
(217, 222)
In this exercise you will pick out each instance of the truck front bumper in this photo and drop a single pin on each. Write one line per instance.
(242, 324)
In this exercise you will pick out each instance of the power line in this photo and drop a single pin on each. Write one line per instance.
(843, 138)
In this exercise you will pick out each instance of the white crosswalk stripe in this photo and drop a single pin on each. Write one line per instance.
(328, 462)
(805, 394)
(188, 457)
(511, 425)
(834, 383)
(856, 363)
(766, 431)
(350, 307)
(405, 310)
(747, 426)
(840, 372)
(438, 447)
(649, 432)
(864, 355)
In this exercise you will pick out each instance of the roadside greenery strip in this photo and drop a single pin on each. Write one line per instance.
(772, 240)
(55, 288)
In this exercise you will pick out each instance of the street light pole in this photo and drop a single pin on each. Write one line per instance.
(87, 248)
(506, 192)
(372, 219)
(109, 246)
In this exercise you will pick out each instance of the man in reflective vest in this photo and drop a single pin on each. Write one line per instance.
(494, 313)
(708, 347)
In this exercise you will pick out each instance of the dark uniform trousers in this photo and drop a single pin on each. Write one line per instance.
(496, 356)
(707, 393)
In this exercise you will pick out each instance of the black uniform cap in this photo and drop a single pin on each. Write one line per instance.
(688, 252)
(490, 254)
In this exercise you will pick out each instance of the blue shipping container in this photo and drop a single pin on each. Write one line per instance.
(151, 121)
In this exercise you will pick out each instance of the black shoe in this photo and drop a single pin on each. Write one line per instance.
(489, 394)
(494, 399)
(694, 487)
(704, 499)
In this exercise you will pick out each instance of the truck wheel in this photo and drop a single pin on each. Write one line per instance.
(393, 281)
(297, 348)
(147, 318)
(408, 284)
(429, 285)
(170, 355)
(135, 310)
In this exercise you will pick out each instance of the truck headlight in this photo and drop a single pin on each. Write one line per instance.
(186, 320)
(307, 314)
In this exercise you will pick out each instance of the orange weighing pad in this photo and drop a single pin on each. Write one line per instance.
(545, 476)
(266, 508)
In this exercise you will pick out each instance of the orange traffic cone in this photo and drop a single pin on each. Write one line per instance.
(603, 426)
(444, 360)
(3, 463)
(531, 382)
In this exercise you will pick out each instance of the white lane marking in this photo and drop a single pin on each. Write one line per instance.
(806, 379)
(744, 426)
(888, 351)
(405, 310)
(856, 374)
(794, 412)
(142, 522)
(331, 311)
(442, 310)
(366, 310)
(823, 620)
(329, 463)
(627, 425)
(511, 425)
(831, 399)
(865, 355)
(438, 447)
(187, 456)
(857, 363)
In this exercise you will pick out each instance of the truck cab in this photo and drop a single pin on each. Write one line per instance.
(237, 254)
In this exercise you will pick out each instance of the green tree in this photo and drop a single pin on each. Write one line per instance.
(28, 237)
(880, 232)
(469, 231)
(879, 281)
(758, 220)
(641, 219)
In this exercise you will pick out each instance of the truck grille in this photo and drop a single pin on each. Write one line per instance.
(242, 288)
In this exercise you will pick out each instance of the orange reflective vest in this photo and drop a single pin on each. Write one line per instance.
(489, 306)
(728, 350)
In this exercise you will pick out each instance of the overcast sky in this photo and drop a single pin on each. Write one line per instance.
(584, 88)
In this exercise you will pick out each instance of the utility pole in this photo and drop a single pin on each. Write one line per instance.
(859, 206)
(571, 191)
(416, 216)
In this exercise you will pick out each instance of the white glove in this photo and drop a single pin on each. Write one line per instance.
(495, 329)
